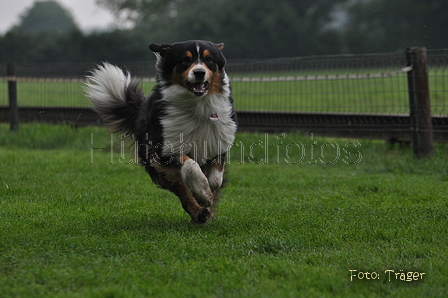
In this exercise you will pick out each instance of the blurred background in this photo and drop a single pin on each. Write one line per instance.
(330, 67)
(121, 30)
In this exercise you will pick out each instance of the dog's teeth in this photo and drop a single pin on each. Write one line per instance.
(198, 88)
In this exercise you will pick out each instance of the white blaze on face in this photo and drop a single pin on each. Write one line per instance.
(198, 50)
(192, 78)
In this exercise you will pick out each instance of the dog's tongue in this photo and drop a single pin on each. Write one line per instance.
(214, 117)
(198, 87)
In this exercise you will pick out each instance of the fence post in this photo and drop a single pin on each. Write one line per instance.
(419, 103)
(12, 94)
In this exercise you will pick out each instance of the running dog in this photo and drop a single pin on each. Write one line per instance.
(184, 128)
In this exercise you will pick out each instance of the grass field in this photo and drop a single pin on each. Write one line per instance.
(83, 222)
(375, 95)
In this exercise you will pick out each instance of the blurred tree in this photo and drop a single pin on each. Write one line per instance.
(46, 16)
(46, 33)
(383, 25)
(249, 28)
(17, 46)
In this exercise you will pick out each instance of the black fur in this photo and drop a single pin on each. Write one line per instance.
(141, 118)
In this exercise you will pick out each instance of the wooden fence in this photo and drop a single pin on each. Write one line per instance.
(418, 126)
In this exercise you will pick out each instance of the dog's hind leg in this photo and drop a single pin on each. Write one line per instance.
(197, 213)
(214, 171)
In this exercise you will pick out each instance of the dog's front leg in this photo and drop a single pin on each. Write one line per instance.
(183, 176)
(197, 213)
(193, 177)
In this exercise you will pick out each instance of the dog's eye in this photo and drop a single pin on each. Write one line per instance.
(208, 58)
(186, 60)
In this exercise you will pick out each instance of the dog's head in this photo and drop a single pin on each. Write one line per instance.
(195, 65)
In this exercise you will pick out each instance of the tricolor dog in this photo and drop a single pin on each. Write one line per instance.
(184, 128)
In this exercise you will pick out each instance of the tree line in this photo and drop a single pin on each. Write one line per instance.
(250, 29)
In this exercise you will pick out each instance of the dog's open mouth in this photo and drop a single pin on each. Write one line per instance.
(198, 88)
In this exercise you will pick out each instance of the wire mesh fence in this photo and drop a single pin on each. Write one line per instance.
(438, 80)
(57, 85)
(342, 84)
(359, 84)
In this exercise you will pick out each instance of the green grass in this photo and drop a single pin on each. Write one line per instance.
(73, 228)
(43, 93)
(376, 95)
(385, 95)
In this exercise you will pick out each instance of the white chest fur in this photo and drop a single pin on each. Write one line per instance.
(198, 127)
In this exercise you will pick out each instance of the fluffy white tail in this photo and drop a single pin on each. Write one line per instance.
(107, 86)
(114, 96)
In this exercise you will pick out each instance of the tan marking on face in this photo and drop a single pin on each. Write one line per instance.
(182, 78)
(194, 66)
(215, 82)
(179, 78)
(185, 73)
(207, 70)
(206, 53)
(176, 78)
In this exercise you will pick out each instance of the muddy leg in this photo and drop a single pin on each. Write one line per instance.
(185, 178)
(197, 183)
(197, 213)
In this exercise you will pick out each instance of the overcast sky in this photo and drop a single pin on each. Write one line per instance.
(86, 13)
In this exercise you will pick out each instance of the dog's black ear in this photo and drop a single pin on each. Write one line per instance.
(161, 48)
(220, 46)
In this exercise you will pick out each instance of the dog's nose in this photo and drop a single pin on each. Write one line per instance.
(199, 74)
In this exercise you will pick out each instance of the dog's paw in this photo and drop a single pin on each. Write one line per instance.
(202, 216)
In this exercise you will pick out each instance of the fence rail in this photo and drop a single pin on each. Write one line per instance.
(392, 128)
(344, 95)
